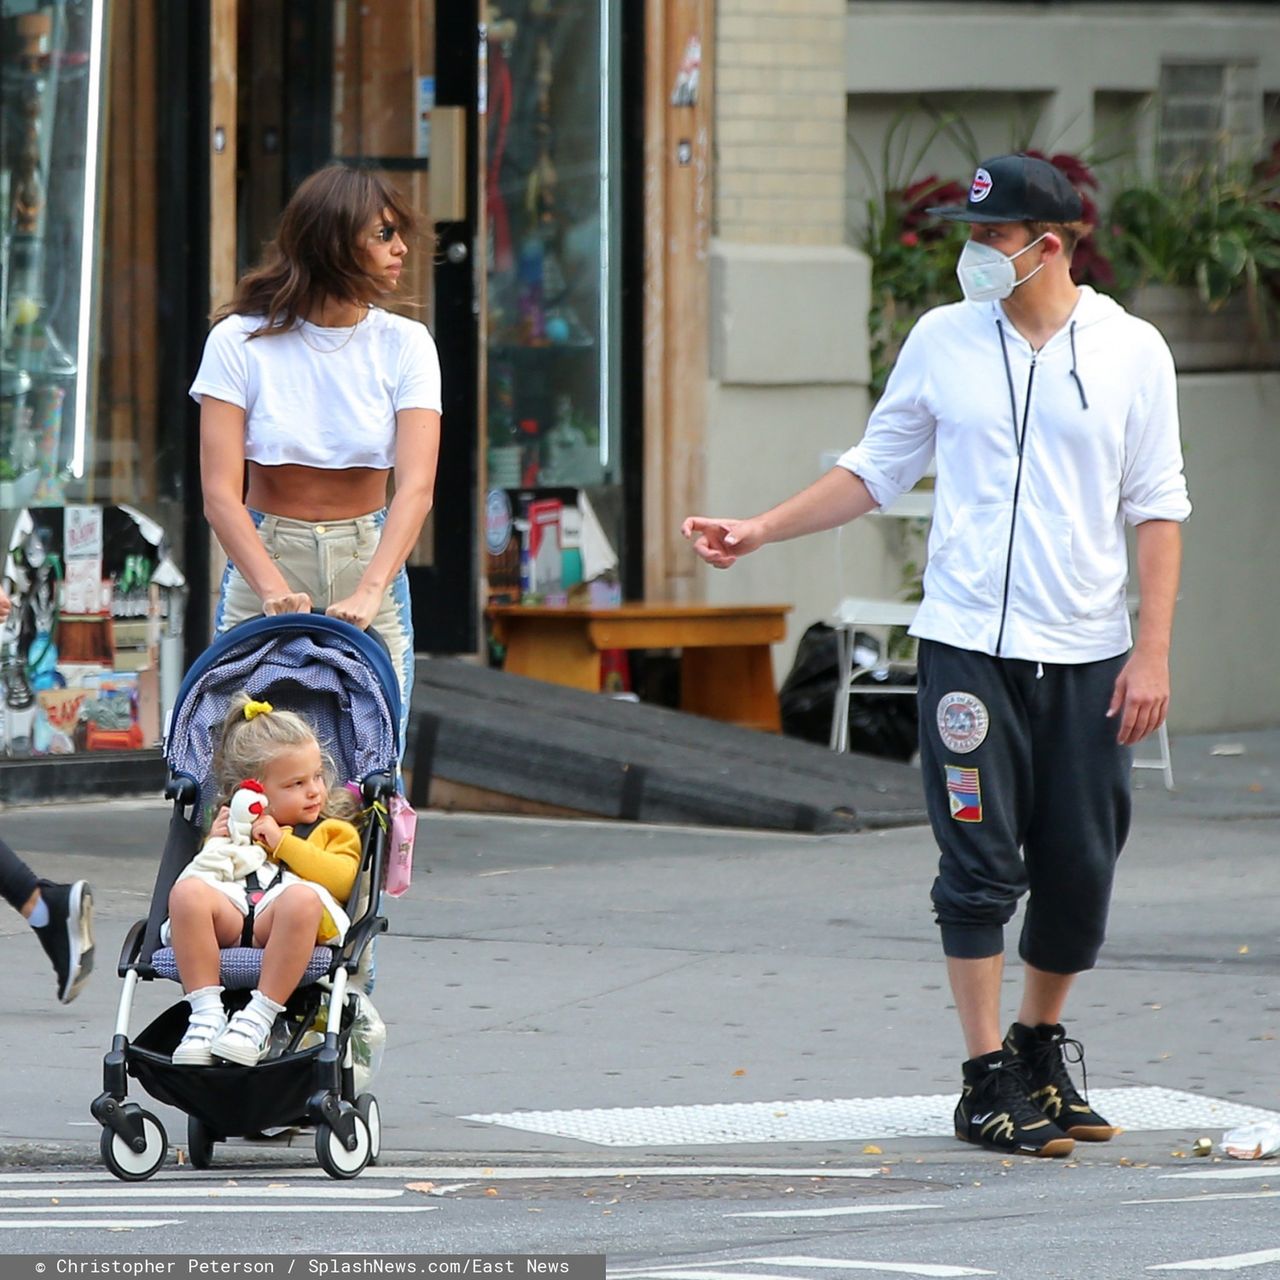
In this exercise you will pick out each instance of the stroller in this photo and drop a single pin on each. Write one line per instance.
(342, 681)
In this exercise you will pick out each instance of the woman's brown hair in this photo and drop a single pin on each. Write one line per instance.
(314, 255)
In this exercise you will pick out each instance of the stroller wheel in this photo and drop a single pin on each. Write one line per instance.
(124, 1161)
(200, 1143)
(367, 1106)
(334, 1157)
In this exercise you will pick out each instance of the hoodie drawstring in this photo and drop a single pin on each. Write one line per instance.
(1084, 404)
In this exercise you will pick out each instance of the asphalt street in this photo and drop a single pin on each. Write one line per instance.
(712, 1054)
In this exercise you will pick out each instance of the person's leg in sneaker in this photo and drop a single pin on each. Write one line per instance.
(67, 934)
(248, 1032)
(975, 757)
(61, 916)
(1046, 1050)
(286, 928)
(208, 1021)
(1074, 838)
(201, 922)
(996, 1111)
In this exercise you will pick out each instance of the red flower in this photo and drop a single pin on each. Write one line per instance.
(912, 202)
(909, 238)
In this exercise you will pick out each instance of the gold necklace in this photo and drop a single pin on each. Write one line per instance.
(330, 351)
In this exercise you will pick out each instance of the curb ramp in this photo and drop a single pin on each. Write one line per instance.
(483, 739)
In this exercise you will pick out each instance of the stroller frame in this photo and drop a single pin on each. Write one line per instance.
(316, 1084)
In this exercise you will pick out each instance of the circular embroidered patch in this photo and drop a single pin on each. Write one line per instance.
(962, 722)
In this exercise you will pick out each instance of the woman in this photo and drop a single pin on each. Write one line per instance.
(323, 394)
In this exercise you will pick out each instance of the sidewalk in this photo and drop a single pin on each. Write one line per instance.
(562, 967)
(1223, 775)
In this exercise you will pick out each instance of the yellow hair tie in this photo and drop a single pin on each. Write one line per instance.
(252, 709)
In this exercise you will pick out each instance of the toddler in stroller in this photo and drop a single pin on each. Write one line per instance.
(275, 890)
(264, 1035)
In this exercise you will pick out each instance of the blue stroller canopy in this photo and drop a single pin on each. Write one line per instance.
(333, 674)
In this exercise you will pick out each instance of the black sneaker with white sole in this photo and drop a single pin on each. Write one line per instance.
(1046, 1050)
(68, 937)
(995, 1110)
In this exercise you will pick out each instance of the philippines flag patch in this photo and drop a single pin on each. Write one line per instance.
(964, 793)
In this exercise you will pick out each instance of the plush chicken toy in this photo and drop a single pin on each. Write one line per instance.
(248, 803)
(229, 858)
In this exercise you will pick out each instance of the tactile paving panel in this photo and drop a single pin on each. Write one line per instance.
(851, 1119)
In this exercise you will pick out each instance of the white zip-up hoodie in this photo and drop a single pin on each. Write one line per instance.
(1027, 555)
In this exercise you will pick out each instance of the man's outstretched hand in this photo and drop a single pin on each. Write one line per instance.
(720, 541)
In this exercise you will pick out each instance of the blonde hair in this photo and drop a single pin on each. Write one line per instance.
(246, 745)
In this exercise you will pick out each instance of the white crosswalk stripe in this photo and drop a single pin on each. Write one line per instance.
(729, 1269)
(77, 1224)
(95, 1200)
(834, 1211)
(1226, 1262)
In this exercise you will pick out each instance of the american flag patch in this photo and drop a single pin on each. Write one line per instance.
(964, 793)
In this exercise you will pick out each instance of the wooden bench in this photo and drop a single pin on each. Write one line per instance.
(726, 671)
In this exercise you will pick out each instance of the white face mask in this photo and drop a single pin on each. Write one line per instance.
(986, 274)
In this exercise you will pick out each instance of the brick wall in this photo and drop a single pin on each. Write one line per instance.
(780, 121)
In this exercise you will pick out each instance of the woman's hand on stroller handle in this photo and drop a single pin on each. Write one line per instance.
(287, 602)
(359, 608)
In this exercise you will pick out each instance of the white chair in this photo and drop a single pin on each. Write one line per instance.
(1165, 761)
(854, 612)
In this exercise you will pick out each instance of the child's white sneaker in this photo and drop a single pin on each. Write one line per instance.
(195, 1047)
(244, 1041)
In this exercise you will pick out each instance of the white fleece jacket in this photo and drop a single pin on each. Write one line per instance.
(1043, 577)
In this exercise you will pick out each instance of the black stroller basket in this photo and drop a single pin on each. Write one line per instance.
(342, 681)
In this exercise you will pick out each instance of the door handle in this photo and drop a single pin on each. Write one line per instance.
(456, 253)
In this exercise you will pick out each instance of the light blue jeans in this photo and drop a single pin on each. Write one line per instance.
(326, 559)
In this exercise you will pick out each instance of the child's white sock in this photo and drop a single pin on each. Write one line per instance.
(207, 1022)
(205, 1000)
(263, 1010)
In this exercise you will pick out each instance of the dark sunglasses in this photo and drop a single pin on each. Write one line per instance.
(386, 234)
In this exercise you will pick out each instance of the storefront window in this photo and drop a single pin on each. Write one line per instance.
(84, 557)
(553, 421)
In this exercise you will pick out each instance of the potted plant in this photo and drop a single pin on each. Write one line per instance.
(1198, 254)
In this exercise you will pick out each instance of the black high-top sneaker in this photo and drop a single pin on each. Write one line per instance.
(68, 936)
(1044, 1050)
(995, 1110)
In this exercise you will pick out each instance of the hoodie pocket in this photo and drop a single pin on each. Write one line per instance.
(967, 566)
(1045, 582)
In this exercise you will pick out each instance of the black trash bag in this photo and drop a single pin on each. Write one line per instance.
(878, 726)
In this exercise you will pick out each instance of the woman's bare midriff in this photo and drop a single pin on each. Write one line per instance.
(313, 493)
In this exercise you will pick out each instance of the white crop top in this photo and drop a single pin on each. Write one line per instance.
(321, 397)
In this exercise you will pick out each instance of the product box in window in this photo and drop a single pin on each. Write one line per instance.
(507, 540)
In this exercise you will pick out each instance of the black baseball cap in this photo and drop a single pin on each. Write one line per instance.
(1016, 188)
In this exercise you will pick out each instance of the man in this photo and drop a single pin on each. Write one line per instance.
(1053, 418)
(60, 914)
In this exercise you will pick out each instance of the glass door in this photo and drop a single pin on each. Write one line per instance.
(404, 101)
(395, 88)
(553, 426)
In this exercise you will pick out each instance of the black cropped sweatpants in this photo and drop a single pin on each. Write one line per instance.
(1027, 792)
